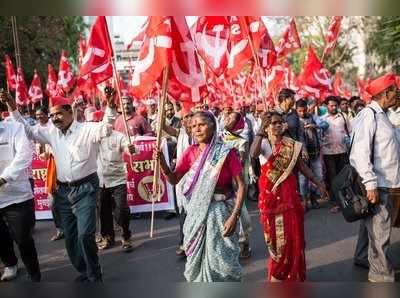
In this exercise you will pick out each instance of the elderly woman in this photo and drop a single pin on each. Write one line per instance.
(281, 211)
(207, 171)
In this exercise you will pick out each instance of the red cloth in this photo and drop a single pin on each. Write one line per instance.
(232, 165)
(59, 101)
(137, 125)
(284, 204)
(381, 84)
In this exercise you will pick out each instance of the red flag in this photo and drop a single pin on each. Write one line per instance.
(141, 35)
(154, 55)
(274, 79)
(362, 90)
(99, 49)
(51, 86)
(65, 76)
(338, 86)
(333, 34)
(315, 78)
(21, 90)
(10, 74)
(289, 42)
(211, 40)
(82, 49)
(35, 90)
(186, 81)
(243, 30)
(267, 52)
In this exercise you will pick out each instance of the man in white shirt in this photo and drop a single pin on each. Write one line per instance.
(333, 147)
(375, 155)
(75, 147)
(17, 215)
(111, 169)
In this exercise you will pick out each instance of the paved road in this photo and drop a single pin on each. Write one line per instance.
(330, 246)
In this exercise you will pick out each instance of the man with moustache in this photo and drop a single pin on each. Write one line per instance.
(75, 146)
(375, 155)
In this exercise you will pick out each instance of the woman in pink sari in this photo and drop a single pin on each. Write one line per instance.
(281, 211)
(207, 171)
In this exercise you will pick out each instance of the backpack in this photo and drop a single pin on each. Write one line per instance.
(312, 143)
(350, 192)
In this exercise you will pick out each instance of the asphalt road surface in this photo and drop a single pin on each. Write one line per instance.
(329, 254)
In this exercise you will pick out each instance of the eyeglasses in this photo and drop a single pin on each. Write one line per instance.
(276, 122)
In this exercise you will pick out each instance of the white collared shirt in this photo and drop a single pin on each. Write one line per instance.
(15, 159)
(385, 172)
(75, 152)
(111, 168)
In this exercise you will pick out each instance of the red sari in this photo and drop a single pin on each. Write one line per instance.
(282, 213)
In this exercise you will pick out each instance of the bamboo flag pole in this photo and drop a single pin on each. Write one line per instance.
(258, 67)
(160, 123)
(16, 41)
(117, 87)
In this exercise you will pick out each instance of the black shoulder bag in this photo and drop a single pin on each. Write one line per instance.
(349, 191)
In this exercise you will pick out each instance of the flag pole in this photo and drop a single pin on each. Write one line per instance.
(160, 122)
(257, 61)
(116, 79)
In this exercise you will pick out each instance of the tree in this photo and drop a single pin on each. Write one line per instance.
(41, 39)
(312, 31)
(384, 42)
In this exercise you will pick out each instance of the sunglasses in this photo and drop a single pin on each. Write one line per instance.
(276, 122)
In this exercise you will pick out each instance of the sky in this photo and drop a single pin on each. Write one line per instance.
(128, 26)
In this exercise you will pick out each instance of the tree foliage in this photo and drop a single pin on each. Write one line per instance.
(384, 42)
(41, 39)
(312, 31)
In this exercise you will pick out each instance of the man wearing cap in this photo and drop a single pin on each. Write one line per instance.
(151, 110)
(137, 124)
(113, 189)
(394, 112)
(75, 146)
(375, 155)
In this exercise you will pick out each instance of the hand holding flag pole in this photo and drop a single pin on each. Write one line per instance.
(160, 124)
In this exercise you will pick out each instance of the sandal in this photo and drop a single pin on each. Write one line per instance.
(334, 209)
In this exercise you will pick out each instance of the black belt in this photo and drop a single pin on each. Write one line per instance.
(78, 182)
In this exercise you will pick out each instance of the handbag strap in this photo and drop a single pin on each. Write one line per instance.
(373, 137)
(346, 128)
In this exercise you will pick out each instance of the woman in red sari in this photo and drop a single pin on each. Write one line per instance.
(281, 211)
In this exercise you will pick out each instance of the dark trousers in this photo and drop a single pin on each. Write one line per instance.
(114, 200)
(16, 224)
(333, 165)
(77, 207)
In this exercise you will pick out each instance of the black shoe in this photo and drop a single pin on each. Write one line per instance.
(169, 215)
(35, 277)
(362, 264)
(315, 204)
(81, 279)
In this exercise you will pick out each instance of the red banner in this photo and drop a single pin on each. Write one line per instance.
(139, 181)
(140, 178)
(39, 173)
